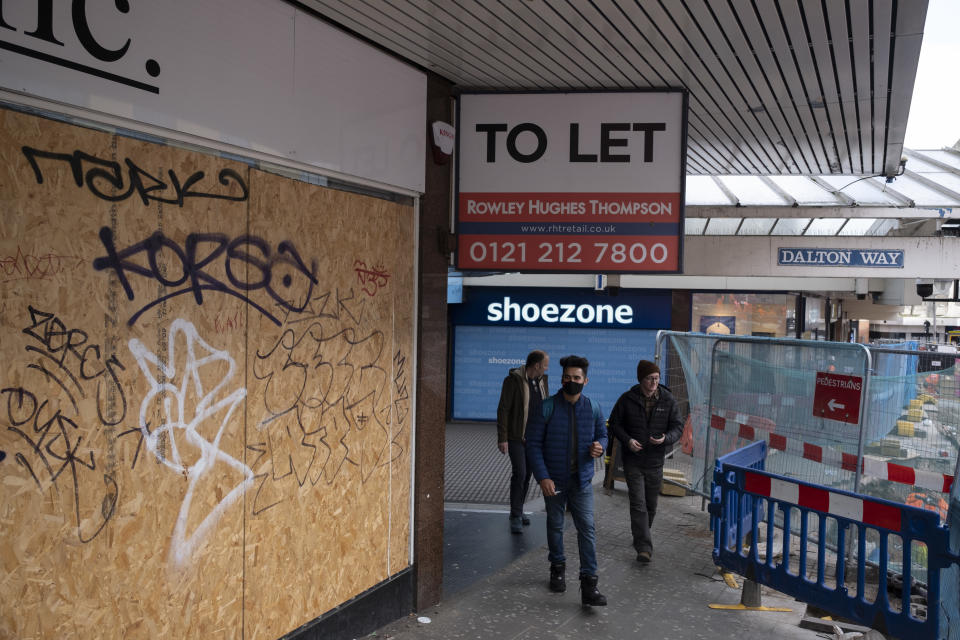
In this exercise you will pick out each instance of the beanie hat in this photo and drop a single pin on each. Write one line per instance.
(645, 368)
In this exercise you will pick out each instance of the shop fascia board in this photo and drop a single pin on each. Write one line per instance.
(709, 211)
(544, 280)
(917, 321)
(914, 326)
(869, 310)
(682, 282)
(824, 286)
(928, 257)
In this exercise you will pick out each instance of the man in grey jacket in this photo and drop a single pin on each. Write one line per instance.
(523, 390)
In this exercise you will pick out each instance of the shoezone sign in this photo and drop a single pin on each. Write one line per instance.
(571, 182)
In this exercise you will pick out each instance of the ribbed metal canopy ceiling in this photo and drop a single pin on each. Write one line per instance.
(808, 87)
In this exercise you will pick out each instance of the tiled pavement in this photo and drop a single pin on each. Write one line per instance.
(477, 504)
(495, 583)
(475, 471)
(665, 600)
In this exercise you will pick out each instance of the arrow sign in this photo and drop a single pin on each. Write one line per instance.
(834, 405)
(837, 397)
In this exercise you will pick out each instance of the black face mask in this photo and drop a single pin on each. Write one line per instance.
(572, 388)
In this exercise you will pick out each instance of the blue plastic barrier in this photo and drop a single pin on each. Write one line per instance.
(741, 489)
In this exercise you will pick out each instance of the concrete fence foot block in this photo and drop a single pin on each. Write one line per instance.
(750, 596)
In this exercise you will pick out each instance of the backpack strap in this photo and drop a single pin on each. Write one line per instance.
(547, 408)
(596, 412)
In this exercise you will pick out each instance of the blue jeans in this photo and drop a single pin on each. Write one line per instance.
(581, 508)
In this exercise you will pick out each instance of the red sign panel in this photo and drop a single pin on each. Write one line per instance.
(525, 233)
(837, 397)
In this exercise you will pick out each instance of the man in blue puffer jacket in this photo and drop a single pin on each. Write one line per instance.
(562, 442)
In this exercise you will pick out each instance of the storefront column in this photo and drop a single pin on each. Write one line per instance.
(431, 363)
(681, 311)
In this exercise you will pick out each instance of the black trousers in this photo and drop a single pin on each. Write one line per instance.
(520, 478)
(643, 488)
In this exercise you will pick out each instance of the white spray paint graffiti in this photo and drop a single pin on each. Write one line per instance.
(186, 405)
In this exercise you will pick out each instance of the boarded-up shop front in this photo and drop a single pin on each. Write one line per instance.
(208, 315)
(205, 420)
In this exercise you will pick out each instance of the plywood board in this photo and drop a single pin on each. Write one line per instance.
(156, 306)
(321, 423)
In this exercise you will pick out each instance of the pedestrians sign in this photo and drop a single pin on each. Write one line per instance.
(837, 397)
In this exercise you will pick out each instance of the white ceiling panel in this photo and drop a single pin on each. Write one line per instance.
(919, 191)
(805, 190)
(946, 156)
(750, 190)
(694, 226)
(858, 227)
(859, 189)
(702, 190)
(807, 87)
(825, 226)
(756, 226)
(790, 227)
(722, 226)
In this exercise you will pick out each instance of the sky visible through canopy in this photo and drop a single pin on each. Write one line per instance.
(934, 120)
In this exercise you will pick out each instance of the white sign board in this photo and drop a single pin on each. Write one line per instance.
(571, 181)
(258, 74)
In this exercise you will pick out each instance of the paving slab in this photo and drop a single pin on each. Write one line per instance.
(666, 599)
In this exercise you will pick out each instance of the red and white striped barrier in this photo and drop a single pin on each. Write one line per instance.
(863, 510)
(756, 428)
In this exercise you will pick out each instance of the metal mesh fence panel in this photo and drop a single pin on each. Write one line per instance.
(684, 361)
(914, 412)
(775, 390)
(902, 445)
(733, 390)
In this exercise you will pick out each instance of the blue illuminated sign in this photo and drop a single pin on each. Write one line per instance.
(496, 327)
(484, 355)
(528, 307)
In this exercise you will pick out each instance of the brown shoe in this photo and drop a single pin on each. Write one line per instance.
(644, 556)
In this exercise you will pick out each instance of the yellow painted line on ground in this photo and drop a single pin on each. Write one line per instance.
(740, 607)
(730, 580)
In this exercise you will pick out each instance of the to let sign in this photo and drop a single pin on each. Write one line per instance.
(571, 182)
(837, 397)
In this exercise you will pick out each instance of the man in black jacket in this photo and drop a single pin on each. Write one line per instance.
(523, 390)
(647, 422)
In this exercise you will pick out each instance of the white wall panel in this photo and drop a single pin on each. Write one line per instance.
(258, 74)
(757, 256)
